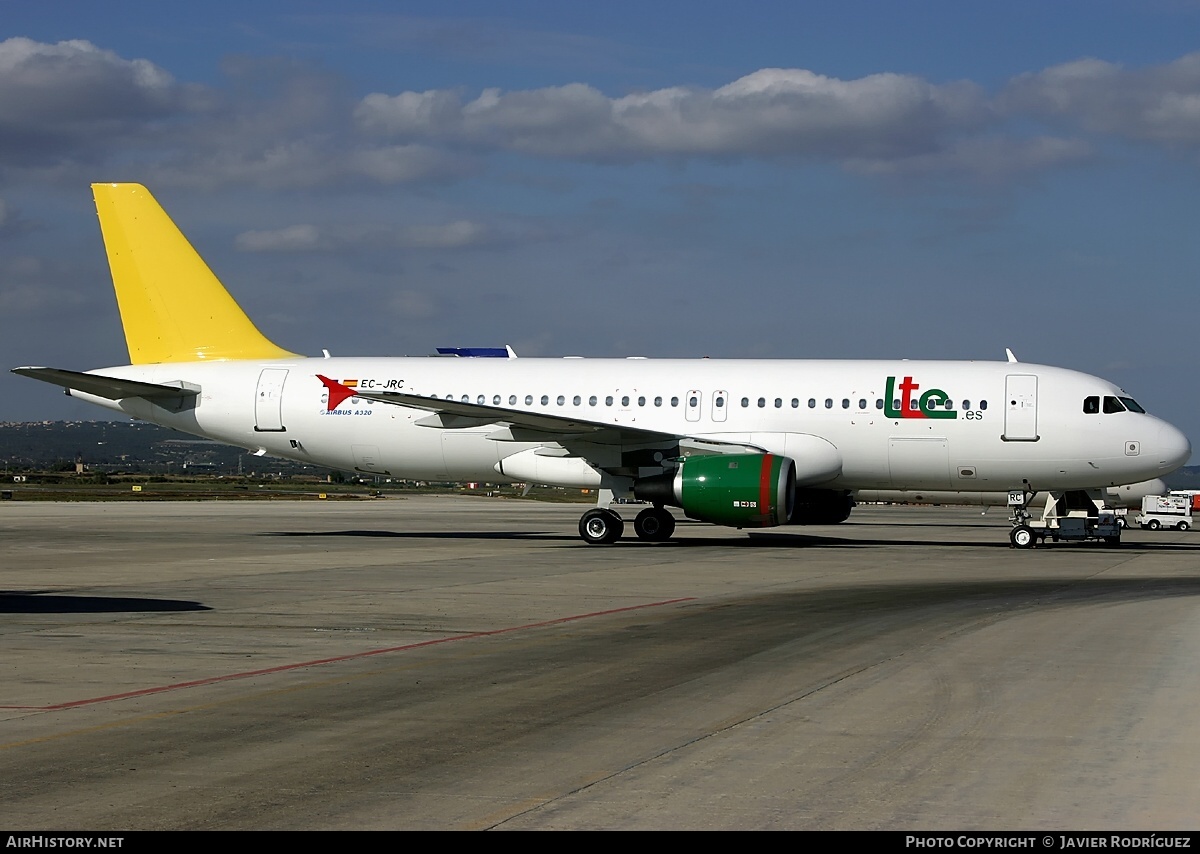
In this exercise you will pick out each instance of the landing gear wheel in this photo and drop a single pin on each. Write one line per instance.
(654, 524)
(601, 526)
(1022, 537)
(1154, 525)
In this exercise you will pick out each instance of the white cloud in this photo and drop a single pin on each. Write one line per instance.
(73, 95)
(305, 163)
(1159, 104)
(12, 222)
(452, 235)
(460, 234)
(993, 158)
(293, 238)
(772, 112)
(28, 288)
(70, 111)
(412, 305)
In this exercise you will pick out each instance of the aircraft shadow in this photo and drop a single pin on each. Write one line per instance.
(429, 535)
(45, 602)
(756, 539)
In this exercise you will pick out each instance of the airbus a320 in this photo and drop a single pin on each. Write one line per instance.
(741, 443)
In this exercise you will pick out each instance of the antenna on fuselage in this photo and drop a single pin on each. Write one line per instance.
(1009, 353)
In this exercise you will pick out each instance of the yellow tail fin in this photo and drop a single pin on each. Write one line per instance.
(172, 306)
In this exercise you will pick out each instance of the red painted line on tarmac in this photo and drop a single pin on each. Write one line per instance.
(211, 680)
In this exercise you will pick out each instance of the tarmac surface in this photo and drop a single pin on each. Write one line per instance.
(470, 663)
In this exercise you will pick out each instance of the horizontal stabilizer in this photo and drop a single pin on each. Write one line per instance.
(112, 388)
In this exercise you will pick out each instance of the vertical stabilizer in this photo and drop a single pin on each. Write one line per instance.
(172, 307)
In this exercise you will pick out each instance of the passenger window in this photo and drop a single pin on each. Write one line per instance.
(608, 400)
(829, 403)
(480, 400)
(779, 403)
(795, 403)
(812, 403)
(576, 400)
(674, 401)
(545, 400)
(983, 404)
(561, 400)
(658, 401)
(762, 401)
(720, 401)
(745, 402)
(879, 403)
(529, 400)
(966, 404)
(1091, 405)
(592, 400)
(512, 400)
(862, 403)
(625, 400)
(466, 398)
(845, 403)
(641, 401)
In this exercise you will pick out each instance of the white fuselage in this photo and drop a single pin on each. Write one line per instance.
(985, 426)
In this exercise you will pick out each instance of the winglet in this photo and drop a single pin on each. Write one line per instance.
(173, 308)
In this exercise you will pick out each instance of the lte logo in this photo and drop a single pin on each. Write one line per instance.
(927, 403)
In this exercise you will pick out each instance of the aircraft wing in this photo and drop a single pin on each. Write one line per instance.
(112, 388)
(521, 426)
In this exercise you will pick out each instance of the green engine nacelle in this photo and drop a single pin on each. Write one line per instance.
(739, 490)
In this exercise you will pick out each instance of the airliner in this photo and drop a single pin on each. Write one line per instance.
(1117, 497)
(740, 443)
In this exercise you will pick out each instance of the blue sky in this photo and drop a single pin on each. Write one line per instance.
(910, 180)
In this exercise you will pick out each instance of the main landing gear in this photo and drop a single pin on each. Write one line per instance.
(601, 526)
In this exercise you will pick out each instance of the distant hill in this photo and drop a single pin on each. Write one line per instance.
(137, 446)
(1187, 477)
(132, 446)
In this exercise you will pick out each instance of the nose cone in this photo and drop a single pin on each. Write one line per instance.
(1172, 448)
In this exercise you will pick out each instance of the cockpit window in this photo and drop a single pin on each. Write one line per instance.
(1111, 405)
(1091, 405)
(1132, 405)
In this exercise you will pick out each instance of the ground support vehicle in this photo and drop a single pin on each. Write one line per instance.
(1074, 515)
(1165, 511)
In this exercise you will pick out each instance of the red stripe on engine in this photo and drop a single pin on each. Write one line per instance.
(764, 488)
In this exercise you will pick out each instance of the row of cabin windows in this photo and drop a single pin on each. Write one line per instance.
(719, 402)
(561, 400)
(1091, 405)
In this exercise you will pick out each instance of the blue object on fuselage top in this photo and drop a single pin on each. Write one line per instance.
(474, 352)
